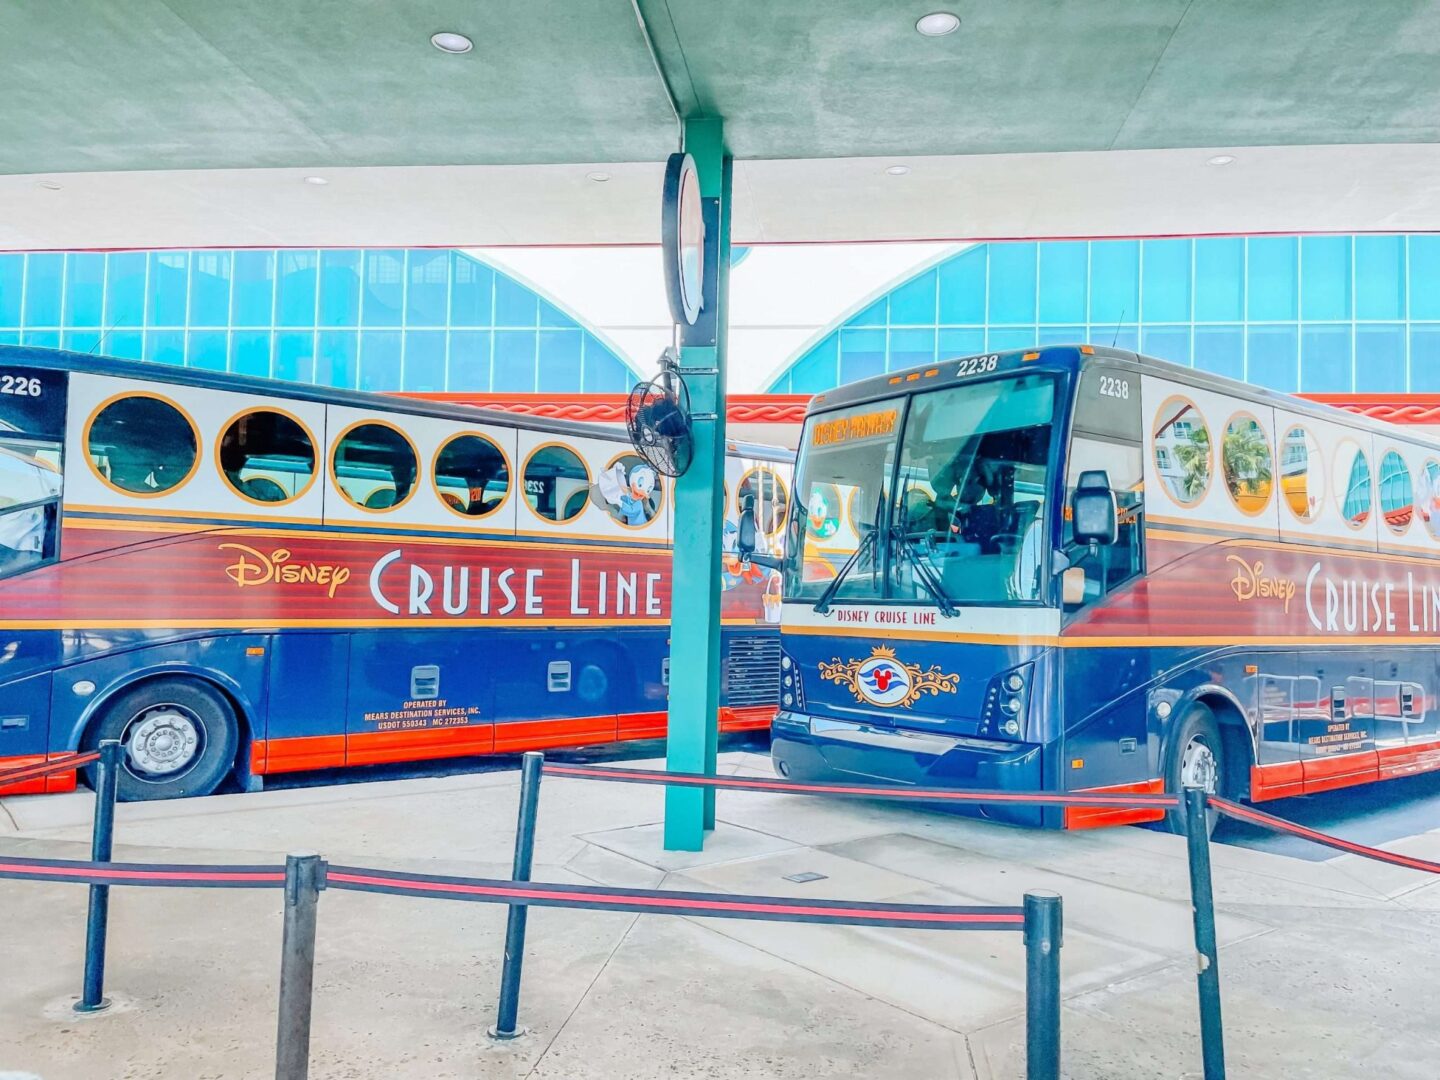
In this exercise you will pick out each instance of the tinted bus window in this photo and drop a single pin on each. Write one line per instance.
(1108, 403)
(472, 476)
(846, 455)
(374, 466)
(142, 445)
(267, 457)
(974, 485)
(557, 483)
(771, 500)
(32, 426)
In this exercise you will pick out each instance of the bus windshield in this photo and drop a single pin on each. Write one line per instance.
(960, 520)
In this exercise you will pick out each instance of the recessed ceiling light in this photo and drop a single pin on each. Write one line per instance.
(897, 170)
(598, 177)
(48, 185)
(938, 24)
(318, 181)
(448, 42)
(1221, 159)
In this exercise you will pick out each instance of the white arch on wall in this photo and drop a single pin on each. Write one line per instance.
(782, 296)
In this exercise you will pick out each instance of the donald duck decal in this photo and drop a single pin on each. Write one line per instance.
(631, 498)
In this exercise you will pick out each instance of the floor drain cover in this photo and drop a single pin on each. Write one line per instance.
(808, 876)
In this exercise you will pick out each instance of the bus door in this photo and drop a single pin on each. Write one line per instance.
(32, 432)
(1337, 741)
(1108, 730)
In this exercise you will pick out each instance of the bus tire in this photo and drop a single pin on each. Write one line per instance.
(1195, 757)
(178, 737)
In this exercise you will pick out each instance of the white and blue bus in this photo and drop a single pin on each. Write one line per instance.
(1078, 569)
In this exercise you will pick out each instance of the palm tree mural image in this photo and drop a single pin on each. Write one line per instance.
(1182, 450)
(1245, 458)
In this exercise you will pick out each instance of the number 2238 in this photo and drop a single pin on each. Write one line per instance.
(978, 365)
(1113, 387)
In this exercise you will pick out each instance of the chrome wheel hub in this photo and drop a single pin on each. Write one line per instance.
(163, 740)
(1198, 767)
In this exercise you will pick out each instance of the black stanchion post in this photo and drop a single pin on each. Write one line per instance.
(304, 878)
(505, 1025)
(102, 844)
(1207, 957)
(1043, 932)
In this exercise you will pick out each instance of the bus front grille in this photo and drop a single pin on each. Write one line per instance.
(752, 671)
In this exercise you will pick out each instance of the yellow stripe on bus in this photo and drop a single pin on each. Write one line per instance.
(1105, 641)
(398, 537)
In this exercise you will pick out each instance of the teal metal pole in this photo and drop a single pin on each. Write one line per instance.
(693, 733)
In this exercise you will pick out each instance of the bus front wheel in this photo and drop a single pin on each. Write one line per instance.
(177, 737)
(1194, 760)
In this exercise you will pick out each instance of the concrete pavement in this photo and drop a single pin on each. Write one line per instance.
(1326, 965)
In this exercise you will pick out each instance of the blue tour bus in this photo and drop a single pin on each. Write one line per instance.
(1077, 569)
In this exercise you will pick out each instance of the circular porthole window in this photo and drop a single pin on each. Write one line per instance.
(1397, 493)
(630, 491)
(1302, 473)
(471, 475)
(557, 483)
(1353, 490)
(771, 499)
(374, 466)
(1183, 455)
(266, 456)
(1246, 462)
(142, 444)
(1428, 497)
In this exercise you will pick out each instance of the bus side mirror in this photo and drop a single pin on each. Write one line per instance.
(1093, 510)
(745, 539)
(1072, 587)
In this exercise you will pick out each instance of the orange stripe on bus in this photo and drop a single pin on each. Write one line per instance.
(297, 754)
(379, 747)
(52, 784)
(1097, 817)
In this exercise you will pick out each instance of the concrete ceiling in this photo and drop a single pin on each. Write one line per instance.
(192, 122)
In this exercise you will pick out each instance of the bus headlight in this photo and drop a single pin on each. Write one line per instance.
(1007, 703)
(792, 685)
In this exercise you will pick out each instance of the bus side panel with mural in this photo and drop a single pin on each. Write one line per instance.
(1078, 569)
(236, 576)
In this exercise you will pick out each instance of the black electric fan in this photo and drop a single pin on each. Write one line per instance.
(658, 417)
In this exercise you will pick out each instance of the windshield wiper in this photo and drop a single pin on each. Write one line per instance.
(822, 603)
(925, 574)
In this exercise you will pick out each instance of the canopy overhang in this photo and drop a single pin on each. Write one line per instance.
(188, 123)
